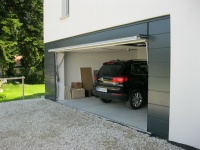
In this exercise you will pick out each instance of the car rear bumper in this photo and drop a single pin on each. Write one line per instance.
(110, 96)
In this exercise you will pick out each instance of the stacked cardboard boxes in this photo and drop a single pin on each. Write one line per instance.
(76, 85)
(77, 91)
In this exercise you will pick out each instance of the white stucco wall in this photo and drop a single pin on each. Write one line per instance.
(88, 15)
(185, 74)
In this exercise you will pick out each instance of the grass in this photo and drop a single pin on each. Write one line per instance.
(13, 92)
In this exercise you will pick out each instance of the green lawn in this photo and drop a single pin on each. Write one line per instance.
(14, 91)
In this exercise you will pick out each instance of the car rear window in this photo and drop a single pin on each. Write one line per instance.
(110, 70)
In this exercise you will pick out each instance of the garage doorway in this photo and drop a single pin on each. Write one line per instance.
(94, 55)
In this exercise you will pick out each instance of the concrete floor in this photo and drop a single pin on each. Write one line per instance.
(116, 111)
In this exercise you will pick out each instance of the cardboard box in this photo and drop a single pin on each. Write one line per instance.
(87, 80)
(77, 93)
(68, 92)
(76, 85)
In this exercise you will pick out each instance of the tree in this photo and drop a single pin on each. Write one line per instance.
(22, 33)
(9, 31)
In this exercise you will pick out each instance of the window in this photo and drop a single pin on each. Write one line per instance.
(65, 8)
(110, 70)
(139, 69)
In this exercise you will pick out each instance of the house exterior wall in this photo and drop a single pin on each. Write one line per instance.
(184, 85)
(184, 119)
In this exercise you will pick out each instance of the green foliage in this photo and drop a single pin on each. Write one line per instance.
(21, 33)
(34, 79)
(31, 75)
(9, 30)
(2, 95)
(13, 91)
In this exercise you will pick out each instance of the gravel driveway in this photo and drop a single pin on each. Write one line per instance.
(43, 124)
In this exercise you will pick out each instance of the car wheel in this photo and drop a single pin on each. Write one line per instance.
(105, 100)
(136, 99)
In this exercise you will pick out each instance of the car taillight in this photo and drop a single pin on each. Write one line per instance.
(95, 78)
(119, 79)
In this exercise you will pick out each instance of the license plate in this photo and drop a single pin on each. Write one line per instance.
(101, 89)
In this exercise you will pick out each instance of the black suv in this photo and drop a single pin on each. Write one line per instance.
(122, 80)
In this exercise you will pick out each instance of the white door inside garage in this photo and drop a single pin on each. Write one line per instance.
(93, 56)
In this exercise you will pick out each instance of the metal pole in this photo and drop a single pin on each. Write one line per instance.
(23, 87)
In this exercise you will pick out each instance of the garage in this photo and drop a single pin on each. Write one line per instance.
(92, 56)
(148, 40)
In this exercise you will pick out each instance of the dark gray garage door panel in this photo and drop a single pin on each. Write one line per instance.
(126, 31)
(50, 91)
(159, 55)
(159, 70)
(49, 74)
(159, 77)
(159, 112)
(157, 126)
(160, 26)
(159, 41)
(47, 47)
(49, 60)
(49, 80)
(48, 69)
(159, 84)
(159, 98)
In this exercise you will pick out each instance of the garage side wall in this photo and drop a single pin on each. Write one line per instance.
(159, 77)
(50, 86)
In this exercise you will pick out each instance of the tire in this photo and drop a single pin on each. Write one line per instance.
(136, 99)
(105, 100)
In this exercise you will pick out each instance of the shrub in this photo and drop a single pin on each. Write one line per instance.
(34, 79)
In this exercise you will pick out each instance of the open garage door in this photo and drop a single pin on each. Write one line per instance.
(126, 43)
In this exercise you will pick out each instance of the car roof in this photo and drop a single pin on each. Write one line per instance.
(124, 61)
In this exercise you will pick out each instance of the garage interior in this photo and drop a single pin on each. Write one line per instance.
(86, 57)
